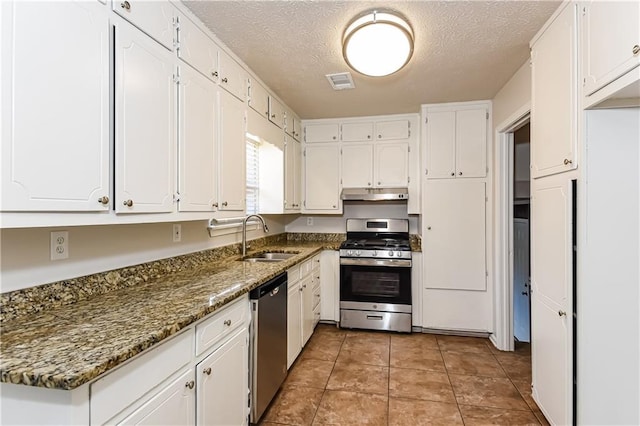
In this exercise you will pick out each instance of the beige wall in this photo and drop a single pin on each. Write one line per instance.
(515, 94)
(25, 258)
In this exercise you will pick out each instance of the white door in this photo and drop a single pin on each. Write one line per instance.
(145, 105)
(55, 114)
(455, 256)
(293, 179)
(155, 18)
(294, 323)
(232, 76)
(356, 132)
(223, 383)
(471, 143)
(174, 405)
(198, 121)
(322, 177)
(357, 165)
(321, 133)
(259, 98)
(307, 308)
(553, 97)
(551, 276)
(396, 129)
(197, 49)
(521, 293)
(391, 165)
(441, 144)
(232, 149)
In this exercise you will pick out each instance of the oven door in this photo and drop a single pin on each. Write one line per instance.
(380, 281)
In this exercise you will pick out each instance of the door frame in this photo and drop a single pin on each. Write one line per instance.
(502, 337)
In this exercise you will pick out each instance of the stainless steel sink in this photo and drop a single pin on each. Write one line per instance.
(269, 257)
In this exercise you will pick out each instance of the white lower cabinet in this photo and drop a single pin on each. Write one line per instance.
(330, 285)
(294, 320)
(306, 289)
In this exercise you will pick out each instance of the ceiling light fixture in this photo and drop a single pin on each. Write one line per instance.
(378, 43)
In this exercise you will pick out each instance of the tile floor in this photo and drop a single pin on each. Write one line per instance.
(346, 377)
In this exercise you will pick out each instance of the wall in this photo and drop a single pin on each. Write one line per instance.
(513, 95)
(25, 261)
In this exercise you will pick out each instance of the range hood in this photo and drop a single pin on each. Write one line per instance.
(375, 194)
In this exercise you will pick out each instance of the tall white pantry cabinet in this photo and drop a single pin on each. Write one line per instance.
(585, 214)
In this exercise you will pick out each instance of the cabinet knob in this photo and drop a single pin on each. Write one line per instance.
(227, 323)
(562, 314)
(207, 371)
(125, 5)
(368, 136)
(368, 183)
(273, 116)
(225, 204)
(460, 173)
(567, 161)
(379, 183)
(524, 293)
(453, 174)
(190, 384)
(225, 80)
(128, 203)
(379, 136)
(103, 200)
(214, 73)
(334, 138)
(334, 206)
(214, 205)
(636, 49)
(428, 228)
(300, 289)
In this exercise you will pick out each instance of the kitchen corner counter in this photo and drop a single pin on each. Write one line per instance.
(67, 346)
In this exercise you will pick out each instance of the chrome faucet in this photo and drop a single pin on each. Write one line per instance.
(265, 228)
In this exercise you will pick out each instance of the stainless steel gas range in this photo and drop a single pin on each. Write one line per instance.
(375, 275)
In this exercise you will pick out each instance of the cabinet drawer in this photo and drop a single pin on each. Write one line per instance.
(197, 49)
(306, 267)
(293, 275)
(316, 297)
(118, 389)
(316, 315)
(221, 324)
(153, 17)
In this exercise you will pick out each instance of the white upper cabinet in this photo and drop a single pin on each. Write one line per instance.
(276, 112)
(457, 142)
(258, 98)
(322, 178)
(292, 174)
(155, 18)
(391, 166)
(553, 98)
(197, 49)
(356, 132)
(396, 129)
(145, 140)
(232, 149)
(233, 77)
(611, 41)
(55, 106)
(357, 165)
(197, 142)
(321, 132)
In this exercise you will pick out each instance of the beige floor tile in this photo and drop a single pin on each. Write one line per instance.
(311, 373)
(325, 347)
(352, 408)
(489, 392)
(496, 416)
(404, 412)
(517, 369)
(472, 364)
(420, 384)
(464, 344)
(524, 387)
(293, 406)
(364, 350)
(415, 357)
(413, 340)
(369, 337)
(329, 330)
(359, 378)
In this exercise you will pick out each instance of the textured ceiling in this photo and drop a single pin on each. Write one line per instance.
(464, 50)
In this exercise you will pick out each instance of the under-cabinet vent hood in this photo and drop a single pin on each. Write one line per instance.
(375, 194)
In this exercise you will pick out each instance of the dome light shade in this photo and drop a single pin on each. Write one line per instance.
(378, 44)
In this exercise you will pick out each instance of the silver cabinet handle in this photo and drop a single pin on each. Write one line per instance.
(128, 203)
(227, 323)
(125, 5)
(428, 228)
(103, 200)
(562, 313)
(225, 80)
(214, 205)
(453, 174)
(567, 161)
(207, 371)
(190, 384)
(214, 73)
(460, 173)
(636, 49)
(225, 204)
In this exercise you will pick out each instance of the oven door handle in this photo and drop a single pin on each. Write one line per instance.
(394, 263)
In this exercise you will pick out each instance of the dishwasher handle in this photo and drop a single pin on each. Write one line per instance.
(268, 287)
(274, 291)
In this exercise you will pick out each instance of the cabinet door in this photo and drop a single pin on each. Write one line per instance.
(398, 129)
(155, 18)
(551, 275)
(145, 123)
(197, 49)
(276, 112)
(198, 171)
(455, 257)
(232, 76)
(321, 133)
(293, 178)
(441, 144)
(553, 98)
(297, 130)
(307, 308)
(173, 405)
(322, 177)
(391, 165)
(294, 323)
(55, 129)
(471, 143)
(609, 48)
(259, 98)
(223, 383)
(231, 164)
(357, 165)
(354, 132)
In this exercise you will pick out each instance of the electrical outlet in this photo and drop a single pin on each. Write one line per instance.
(177, 232)
(309, 221)
(59, 245)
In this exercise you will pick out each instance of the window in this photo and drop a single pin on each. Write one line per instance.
(253, 173)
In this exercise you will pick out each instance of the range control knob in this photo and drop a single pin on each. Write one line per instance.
(349, 252)
(358, 253)
(374, 253)
(391, 254)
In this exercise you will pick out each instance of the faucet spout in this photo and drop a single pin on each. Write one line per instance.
(265, 228)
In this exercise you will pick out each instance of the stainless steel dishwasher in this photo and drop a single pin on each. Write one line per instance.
(268, 343)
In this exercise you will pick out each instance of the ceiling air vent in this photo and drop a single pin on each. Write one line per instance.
(341, 81)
